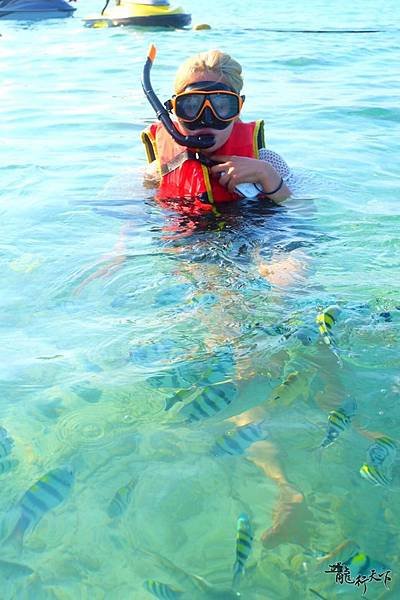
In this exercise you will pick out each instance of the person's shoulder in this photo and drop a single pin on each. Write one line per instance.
(275, 160)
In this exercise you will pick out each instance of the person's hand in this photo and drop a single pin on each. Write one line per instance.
(285, 271)
(239, 169)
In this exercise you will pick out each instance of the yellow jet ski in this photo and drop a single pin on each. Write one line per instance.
(146, 13)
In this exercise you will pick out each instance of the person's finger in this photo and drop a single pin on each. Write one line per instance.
(222, 167)
(224, 179)
(231, 186)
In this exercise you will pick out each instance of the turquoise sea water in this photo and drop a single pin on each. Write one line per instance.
(112, 305)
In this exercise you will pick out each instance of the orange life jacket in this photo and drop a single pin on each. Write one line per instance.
(185, 181)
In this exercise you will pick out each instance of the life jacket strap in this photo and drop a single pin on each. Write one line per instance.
(183, 156)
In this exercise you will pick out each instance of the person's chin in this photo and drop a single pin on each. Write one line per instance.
(212, 149)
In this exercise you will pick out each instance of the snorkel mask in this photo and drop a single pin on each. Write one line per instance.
(200, 142)
(206, 104)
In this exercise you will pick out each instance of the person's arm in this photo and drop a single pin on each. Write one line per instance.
(273, 185)
(109, 263)
(280, 168)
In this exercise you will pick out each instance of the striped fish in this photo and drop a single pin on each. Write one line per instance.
(7, 464)
(236, 441)
(374, 475)
(209, 403)
(287, 391)
(6, 443)
(160, 590)
(205, 379)
(14, 570)
(180, 396)
(383, 449)
(47, 493)
(306, 334)
(244, 543)
(121, 500)
(362, 564)
(169, 380)
(338, 421)
(204, 372)
(196, 587)
(6, 446)
(325, 321)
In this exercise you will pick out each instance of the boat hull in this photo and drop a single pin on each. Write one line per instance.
(35, 9)
(174, 21)
(36, 15)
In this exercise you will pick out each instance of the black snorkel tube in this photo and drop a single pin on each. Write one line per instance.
(199, 142)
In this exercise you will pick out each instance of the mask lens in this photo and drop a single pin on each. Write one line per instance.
(226, 106)
(188, 106)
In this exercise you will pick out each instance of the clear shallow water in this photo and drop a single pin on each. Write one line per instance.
(87, 363)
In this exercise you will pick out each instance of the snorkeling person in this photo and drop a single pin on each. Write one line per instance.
(230, 154)
(206, 106)
(208, 157)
